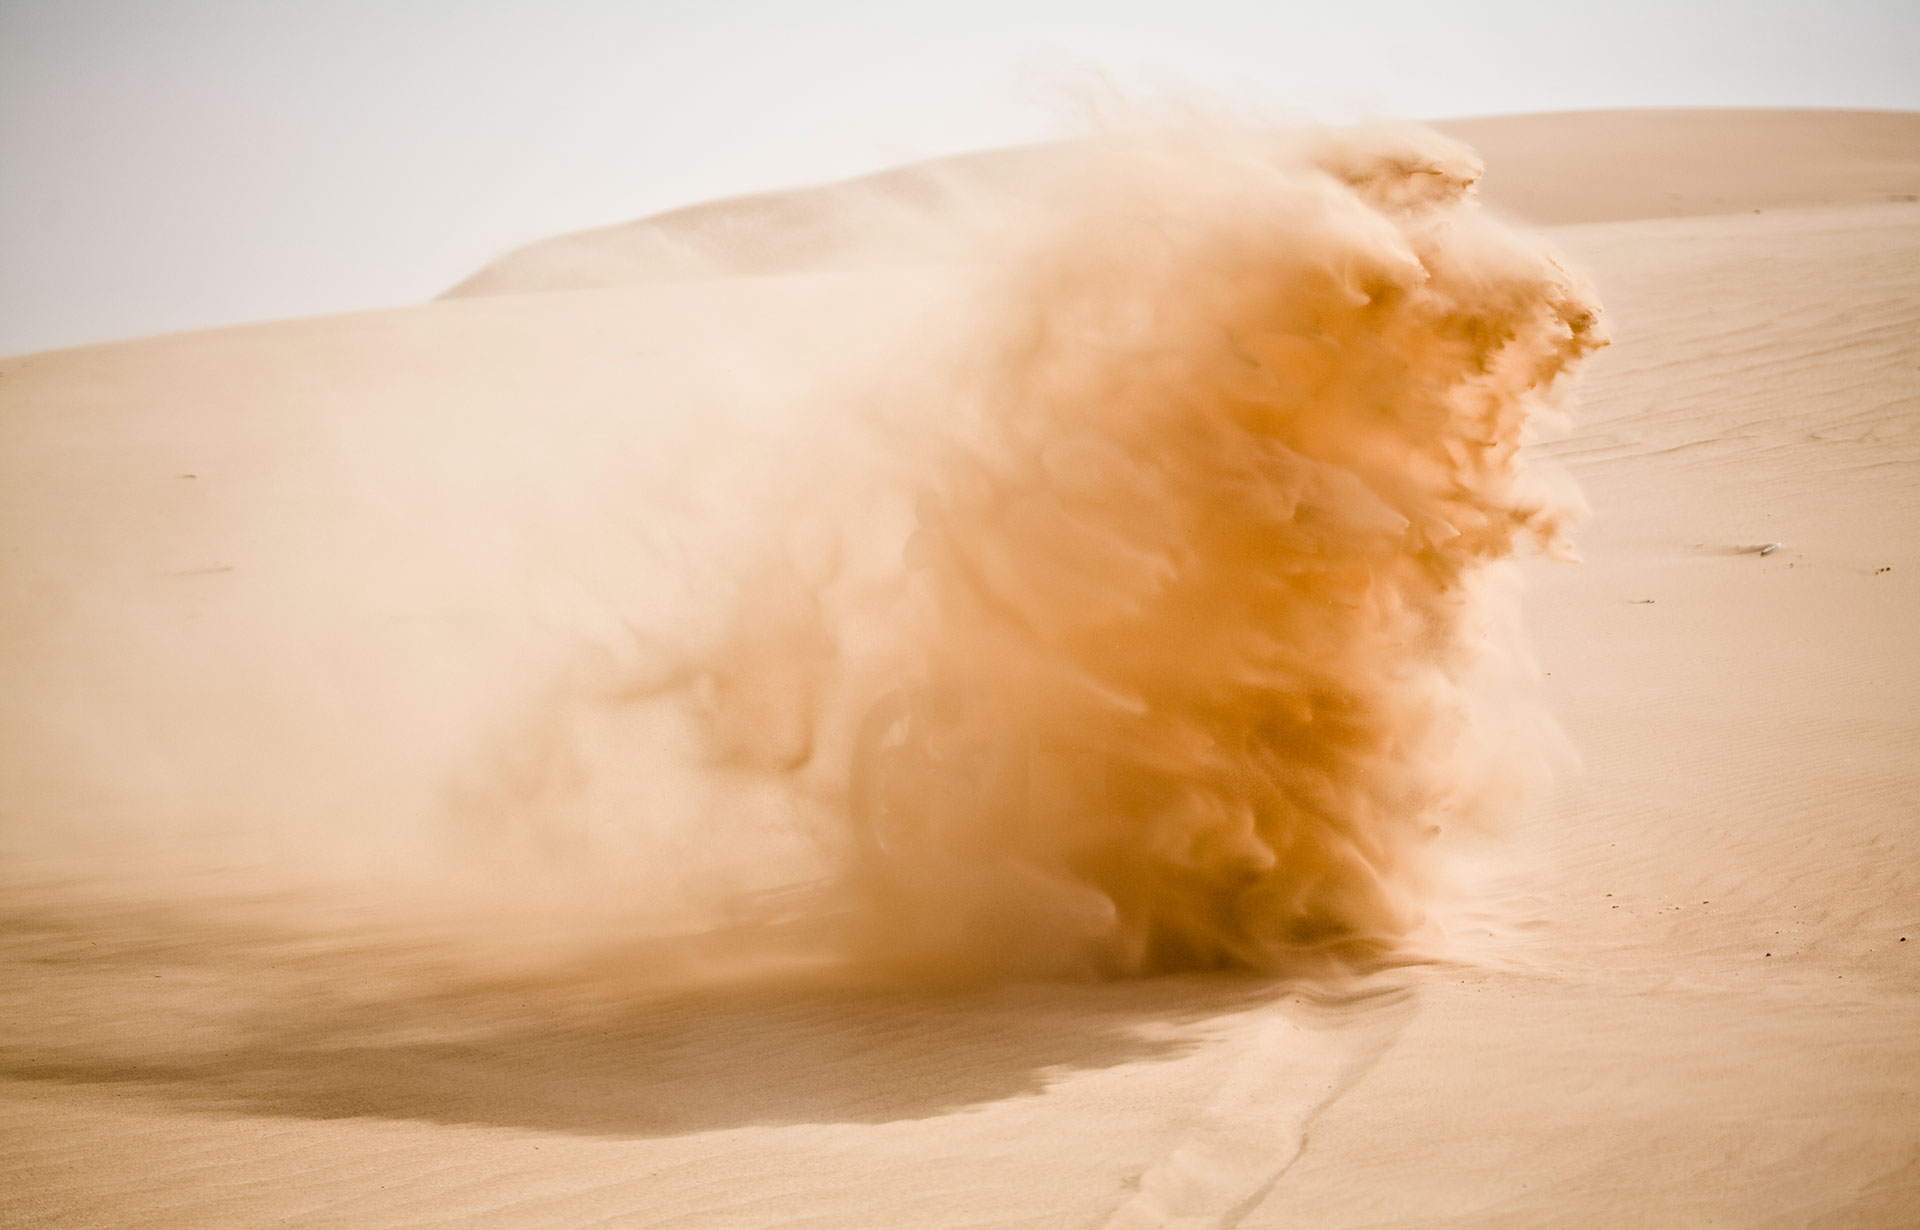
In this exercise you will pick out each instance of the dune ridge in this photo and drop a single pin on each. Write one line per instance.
(1554, 169)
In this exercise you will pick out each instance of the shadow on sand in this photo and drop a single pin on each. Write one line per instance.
(247, 1019)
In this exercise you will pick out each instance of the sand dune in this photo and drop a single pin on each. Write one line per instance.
(1622, 166)
(1594, 166)
(1679, 990)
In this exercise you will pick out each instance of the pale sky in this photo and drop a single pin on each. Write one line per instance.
(175, 164)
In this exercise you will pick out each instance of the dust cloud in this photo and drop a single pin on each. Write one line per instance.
(1199, 563)
(1132, 602)
(1147, 623)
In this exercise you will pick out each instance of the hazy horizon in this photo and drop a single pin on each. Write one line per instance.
(196, 163)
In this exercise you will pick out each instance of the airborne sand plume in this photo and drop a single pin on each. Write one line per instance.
(1129, 603)
(1141, 631)
(1199, 558)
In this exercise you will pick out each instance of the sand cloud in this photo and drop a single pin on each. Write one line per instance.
(1133, 623)
(1105, 578)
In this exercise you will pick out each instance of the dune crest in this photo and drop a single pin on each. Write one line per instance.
(1552, 170)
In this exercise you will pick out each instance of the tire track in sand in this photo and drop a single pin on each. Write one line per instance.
(1289, 1060)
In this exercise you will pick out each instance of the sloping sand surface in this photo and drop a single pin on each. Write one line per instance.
(1589, 166)
(1682, 989)
(1619, 166)
(1710, 1021)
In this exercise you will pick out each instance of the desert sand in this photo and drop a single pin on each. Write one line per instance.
(353, 877)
